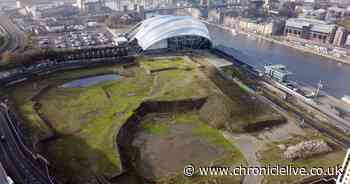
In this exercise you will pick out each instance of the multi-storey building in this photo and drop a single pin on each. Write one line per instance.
(267, 26)
(340, 37)
(310, 29)
(347, 42)
(87, 6)
(335, 13)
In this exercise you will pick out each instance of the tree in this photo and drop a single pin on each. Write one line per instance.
(113, 21)
(345, 23)
(2, 39)
(109, 22)
(7, 57)
(26, 58)
(288, 9)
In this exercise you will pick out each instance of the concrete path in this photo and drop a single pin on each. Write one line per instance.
(249, 146)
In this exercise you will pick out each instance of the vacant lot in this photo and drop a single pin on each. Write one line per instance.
(83, 122)
(168, 142)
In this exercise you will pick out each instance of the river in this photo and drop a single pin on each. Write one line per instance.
(307, 68)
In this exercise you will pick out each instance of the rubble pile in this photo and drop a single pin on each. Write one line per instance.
(306, 149)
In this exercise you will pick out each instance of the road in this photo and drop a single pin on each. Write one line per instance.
(15, 36)
(28, 168)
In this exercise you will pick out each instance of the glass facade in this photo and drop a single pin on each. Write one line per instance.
(188, 42)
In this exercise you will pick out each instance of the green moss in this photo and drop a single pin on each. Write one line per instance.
(155, 128)
(212, 136)
(157, 64)
(38, 127)
(179, 84)
(232, 72)
(203, 130)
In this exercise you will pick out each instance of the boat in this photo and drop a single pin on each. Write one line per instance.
(252, 37)
(346, 99)
(233, 31)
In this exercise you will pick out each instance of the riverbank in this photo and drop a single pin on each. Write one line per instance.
(285, 43)
(301, 48)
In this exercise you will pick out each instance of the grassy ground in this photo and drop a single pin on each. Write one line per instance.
(212, 136)
(155, 128)
(232, 72)
(176, 62)
(87, 119)
(203, 130)
(99, 111)
(236, 110)
(273, 155)
(22, 96)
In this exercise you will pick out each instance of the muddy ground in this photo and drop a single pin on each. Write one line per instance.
(164, 155)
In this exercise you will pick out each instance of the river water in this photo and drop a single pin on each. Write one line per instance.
(307, 68)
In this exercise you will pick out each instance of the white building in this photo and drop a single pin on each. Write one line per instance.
(268, 27)
(340, 36)
(54, 27)
(170, 32)
(277, 72)
(347, 42)
(18, 4)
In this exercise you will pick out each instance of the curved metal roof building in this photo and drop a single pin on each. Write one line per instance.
(154, 32)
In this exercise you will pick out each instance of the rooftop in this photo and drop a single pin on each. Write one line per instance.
(155, 29)
(279, 68)
(336, 9)
(313, 24)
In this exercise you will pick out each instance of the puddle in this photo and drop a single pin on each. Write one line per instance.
(90, 81)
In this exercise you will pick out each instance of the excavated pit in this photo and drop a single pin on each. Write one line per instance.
(128, 153)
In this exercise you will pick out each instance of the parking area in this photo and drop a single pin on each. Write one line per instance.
(75, 39)
(71, 32)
